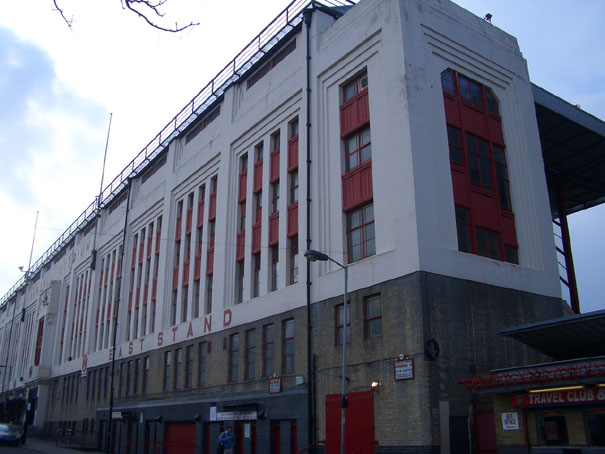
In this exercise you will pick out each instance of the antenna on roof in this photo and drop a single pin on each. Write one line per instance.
(93, 254)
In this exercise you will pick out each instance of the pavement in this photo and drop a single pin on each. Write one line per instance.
(49, 447)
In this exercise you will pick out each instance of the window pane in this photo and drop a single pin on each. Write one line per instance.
(447, 81)
(365, 137)
(476, 94)
(366, 153)
(463, 83)
(492, 103)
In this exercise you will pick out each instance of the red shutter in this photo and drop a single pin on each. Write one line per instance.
(354, 113)
(357, 187)
(243, 180)
(293, 220)
(241, 239)
(175, 277)
(178, 228)
(189, 220)
(293, 154)
(274, 174)
(258, 176)
(186, 273)
(197, 267)
(256, 230)
(39, 342)
(210, 262)
(274, 229)
(212, 208)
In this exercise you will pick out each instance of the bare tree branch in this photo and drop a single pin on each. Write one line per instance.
(143, 9)
(68, 22)
(153, 7)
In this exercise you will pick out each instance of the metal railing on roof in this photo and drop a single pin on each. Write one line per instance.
(271, 35)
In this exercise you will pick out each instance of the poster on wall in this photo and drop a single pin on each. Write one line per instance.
(510, 421)
(403, 368)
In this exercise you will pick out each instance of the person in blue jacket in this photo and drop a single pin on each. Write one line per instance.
(227, 439)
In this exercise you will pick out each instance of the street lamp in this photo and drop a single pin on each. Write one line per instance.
(313, 256)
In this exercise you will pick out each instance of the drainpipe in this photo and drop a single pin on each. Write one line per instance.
(308, 14)
(110, 433)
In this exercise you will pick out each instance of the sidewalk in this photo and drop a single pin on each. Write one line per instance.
(48, 447)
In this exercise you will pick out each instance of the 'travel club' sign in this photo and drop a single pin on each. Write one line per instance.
(561, 397)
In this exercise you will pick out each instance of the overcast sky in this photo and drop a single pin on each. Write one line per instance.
(57, 88)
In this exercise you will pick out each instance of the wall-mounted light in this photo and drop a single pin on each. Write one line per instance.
(375, 385)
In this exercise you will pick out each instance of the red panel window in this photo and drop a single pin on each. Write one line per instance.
(189, 220)
(175, 277)
(197, 268)
(256, 231)
(186, 272)
(178, 228)
(293, 154)
(357, 187)
(361, 241)
(258, 176)
(481, 185)
(274, 173)
(142, 247)
(243, 179)
(273, 229)
(293, 220)
(355, 109)
(212, 208)
(241, 241)
(134, 254)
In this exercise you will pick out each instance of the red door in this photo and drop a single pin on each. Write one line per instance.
(180, 439)
(276, 449)
(359, 423)
(485, 426)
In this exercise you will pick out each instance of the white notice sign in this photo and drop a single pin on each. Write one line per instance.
(510, 421)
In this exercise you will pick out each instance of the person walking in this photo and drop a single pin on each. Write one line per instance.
(226, 440)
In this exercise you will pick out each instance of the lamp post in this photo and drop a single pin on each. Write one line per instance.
(312, 256)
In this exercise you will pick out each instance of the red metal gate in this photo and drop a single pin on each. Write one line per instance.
(359, 424)
(180, 439)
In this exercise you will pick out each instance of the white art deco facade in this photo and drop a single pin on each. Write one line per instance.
(400, 138)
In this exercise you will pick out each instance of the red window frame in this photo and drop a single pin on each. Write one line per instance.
(355, 86)
(274, 266)
(167, 367)
(233, 350)
(188, 366)
(268, 349)
(360, 233)
(250, 354)
(178, 362)
(371, 317)
(202, 364)
(358, 148)
(288, 346)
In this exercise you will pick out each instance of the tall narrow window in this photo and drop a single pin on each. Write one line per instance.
(189, 366)
(293, 260)
(268, 349)
(360, 233)
(145, 386)
(233, 349)
(256, 275)
(481, 184)
(274, 251)
(372, 317)
(250, 357)
(178, 363)
(167, 368)
(203, 356)
(239, 287)
(288, 346)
